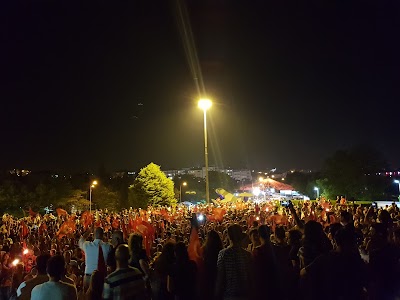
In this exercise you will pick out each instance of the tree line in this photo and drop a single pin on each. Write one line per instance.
(352, 173)
(150, 187)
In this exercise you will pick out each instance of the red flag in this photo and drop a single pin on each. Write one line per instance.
(101, 264)
(86, 219)
(24, 230)
(98, 223)
(66, 228)
(133, 224)
(61, 212)
(42, 228)
(194, 248)
(115, 223)
(332, 219)
(32, 213)
(124, 230)
(219, 213)
(148, 237)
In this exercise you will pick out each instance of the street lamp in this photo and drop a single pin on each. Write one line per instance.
(317, 190)
(398, 182)
(180, 191)
(94, 183)
(205, 104)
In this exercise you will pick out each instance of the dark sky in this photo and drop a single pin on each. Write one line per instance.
(291, 82)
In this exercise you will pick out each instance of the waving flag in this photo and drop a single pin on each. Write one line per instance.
(42, 228)
(115, 223)
(24, 230)
(32, 213)
(66, 228)
(61, 212)
(86, 219)
(219, 213)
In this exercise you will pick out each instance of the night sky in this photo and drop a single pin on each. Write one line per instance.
(86, 83)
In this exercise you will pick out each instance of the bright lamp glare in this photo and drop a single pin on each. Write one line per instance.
(396, 181)
(200, 217)
(205, 104)
(15, 262)
(26, 251)
(256, 191)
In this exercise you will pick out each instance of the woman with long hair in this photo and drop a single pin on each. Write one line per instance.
(210, 250)
(315, 243)
(95, 291)
(163, 265)
(182, 279)
(139, 257)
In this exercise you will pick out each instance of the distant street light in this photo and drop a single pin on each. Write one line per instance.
(180, 190)
(317, 190)
(205, 104)
(92, 186)
(398, 182)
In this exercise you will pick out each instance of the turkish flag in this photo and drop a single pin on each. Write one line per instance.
(24, 230)
(332, 219)
(61, 212)
(115, 223)
(32, 213)
(124, 230)
(66, 228)
(149, 236)
(194, 248)
(219, 213)
(42, 228)
(86, 219)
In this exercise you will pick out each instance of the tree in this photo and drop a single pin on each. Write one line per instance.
(77, 200)
(152, 187)
(104, 197)
(194, 191)
(221, 180)
(352, 173)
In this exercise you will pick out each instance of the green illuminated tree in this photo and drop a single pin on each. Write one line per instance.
(104, 197)
(152, 187)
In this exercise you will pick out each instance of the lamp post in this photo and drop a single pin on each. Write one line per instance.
(398, 183)
(205, 104)
(180, 191)
(94, 183)
(317, 190)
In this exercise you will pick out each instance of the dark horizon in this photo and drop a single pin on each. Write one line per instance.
(87, 84)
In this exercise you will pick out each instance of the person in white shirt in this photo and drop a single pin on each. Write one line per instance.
(92, 250)
(55, 289)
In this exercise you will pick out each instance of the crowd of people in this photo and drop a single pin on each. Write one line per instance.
(311, 250)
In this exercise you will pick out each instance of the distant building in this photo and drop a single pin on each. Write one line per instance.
(123, 174)
(197, 173)
(19, 172)
(239, 175)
